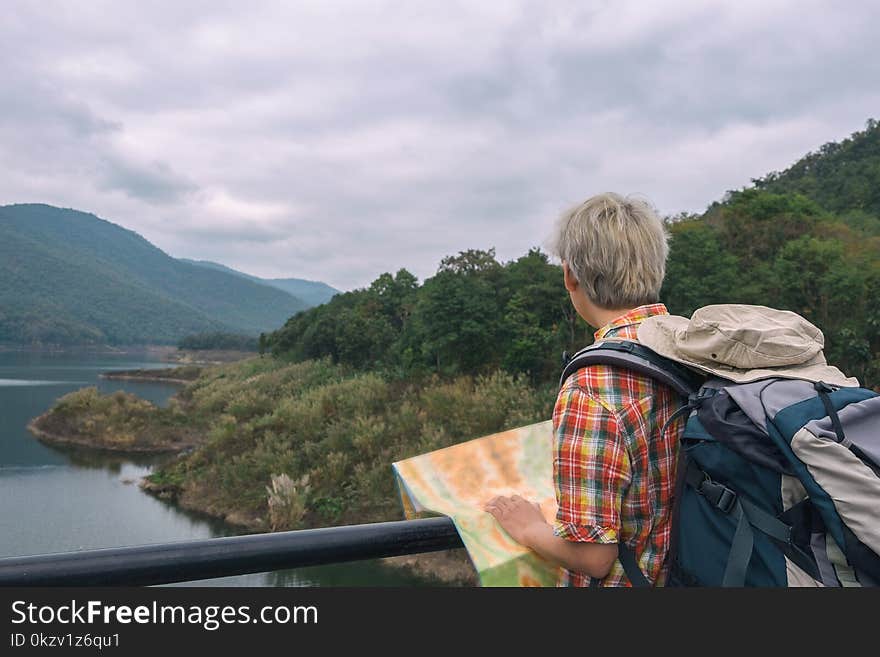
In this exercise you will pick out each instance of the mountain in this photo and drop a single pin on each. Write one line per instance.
(69, 277)
(843, 177)
(314, 293)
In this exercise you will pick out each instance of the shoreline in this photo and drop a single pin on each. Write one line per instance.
(207, 357)
(67, 441)
(135, 377)
(88, 349)
(163, 353)
(450, 567)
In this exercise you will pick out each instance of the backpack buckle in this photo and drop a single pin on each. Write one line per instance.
(696, 399)
(718, 495)
(726, 500)
(723, 498)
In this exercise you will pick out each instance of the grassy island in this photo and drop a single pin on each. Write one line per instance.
(119, 422)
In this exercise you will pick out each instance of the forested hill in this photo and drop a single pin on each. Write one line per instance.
(68, 277)
(313, 293)
(779, 248)
(842, 177)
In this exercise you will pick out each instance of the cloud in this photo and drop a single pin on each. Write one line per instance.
(152, 182)
(335, 141)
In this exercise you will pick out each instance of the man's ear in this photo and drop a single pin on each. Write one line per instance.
(571, 283)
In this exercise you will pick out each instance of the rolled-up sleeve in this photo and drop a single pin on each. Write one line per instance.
(591, 468)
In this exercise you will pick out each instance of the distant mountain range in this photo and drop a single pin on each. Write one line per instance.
(314, 293)
(71, 278)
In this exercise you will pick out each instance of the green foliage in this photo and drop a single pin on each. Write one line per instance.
(805, 239)
(309, 444)
(753, 225)
(840, 177)
(219, 340)
(119, 421)
(699, 272)
(453, 321)
(465, 408)
(785, 252)
(474, 316)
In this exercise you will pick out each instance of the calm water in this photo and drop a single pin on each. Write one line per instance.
(56, 500)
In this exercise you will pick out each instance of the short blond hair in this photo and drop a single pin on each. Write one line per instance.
(616, 247)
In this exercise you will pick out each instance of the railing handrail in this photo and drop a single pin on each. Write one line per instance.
(165, 563)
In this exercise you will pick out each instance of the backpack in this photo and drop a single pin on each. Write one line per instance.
(777, 482)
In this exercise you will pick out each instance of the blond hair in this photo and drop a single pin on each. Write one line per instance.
(616, 248)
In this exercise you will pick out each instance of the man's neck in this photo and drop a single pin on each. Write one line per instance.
(603, 316)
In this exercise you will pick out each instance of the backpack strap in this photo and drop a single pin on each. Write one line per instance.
(634, 356)
(631, 566)
(748, 516)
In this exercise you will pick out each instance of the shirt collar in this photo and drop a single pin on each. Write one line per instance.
(634, 316)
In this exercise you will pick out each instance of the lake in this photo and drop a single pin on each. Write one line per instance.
(58, 500)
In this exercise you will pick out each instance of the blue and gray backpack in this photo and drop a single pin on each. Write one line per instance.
(778, 480)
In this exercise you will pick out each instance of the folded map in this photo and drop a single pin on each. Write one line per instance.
(457, 481)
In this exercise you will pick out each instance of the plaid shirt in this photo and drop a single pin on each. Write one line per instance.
(614, 473)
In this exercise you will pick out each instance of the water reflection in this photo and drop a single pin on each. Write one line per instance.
(83, 457)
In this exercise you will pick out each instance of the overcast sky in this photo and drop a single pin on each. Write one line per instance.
(335, 141)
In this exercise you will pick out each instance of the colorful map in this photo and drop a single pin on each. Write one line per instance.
(457, 481)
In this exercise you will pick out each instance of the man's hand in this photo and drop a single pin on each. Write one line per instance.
(526, 525)
(519, 517)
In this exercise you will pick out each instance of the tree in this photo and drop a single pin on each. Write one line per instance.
(753, 225)
(396, 296)
(472, 261)
(699, 272)
(456, 319)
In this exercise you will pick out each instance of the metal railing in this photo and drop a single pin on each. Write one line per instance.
(166, 563)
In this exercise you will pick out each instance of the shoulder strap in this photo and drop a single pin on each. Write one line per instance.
(636, 357)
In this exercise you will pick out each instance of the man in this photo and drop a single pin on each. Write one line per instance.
(613, 471)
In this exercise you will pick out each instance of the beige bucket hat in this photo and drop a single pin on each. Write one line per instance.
(743, 343)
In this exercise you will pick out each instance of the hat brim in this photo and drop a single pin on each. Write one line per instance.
(662, 334)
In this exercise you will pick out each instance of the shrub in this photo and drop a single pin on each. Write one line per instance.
(287, 501)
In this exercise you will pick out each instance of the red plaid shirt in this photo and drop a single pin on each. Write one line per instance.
(614, 473)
